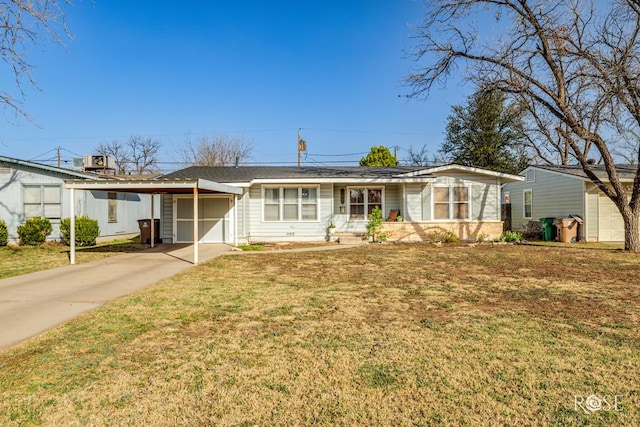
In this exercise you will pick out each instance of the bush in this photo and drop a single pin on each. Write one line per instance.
(4, 234)
(442, 237)
(87, 231)
(374, 226)
(512, 236)
(34, 231)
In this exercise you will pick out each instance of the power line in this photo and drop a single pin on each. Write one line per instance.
(338, 155)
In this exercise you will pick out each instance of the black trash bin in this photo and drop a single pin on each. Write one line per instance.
(145, 231)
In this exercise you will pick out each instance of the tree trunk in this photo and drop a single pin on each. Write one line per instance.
(631, 230)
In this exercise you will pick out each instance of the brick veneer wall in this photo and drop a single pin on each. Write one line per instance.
(422, 231)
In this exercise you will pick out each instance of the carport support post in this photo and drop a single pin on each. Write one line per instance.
(235, 220)
(195, 225)
(152, 220)
(72, 226)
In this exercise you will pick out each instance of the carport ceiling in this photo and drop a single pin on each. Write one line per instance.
(159, 186)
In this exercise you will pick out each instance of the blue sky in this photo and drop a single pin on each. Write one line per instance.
(255, 69)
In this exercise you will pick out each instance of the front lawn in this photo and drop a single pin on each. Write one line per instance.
(410, 335)
(27, 259)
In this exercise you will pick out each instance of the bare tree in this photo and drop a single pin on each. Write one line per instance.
(215, 150)
(143, 154)
(139, 155)
(117, 151)
(23, 24)
(417, 157)
(576, 62)
(545, 138)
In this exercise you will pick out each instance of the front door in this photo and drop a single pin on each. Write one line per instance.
(213, 219)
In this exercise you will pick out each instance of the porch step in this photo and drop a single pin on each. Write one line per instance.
(351, 238)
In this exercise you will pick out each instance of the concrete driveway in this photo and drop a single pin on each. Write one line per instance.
(32, 303)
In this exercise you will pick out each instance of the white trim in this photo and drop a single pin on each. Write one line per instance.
(54, 169)
(447, 168)
(72, 226)
(524, 214)
(585, 204)
(354, 181)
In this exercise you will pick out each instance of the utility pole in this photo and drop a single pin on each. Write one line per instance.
(302, 146)
(58, 156)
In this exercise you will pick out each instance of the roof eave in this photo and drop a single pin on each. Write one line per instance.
(48, 168)
(504, 177)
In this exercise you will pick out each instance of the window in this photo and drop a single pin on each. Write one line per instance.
(528, 203)
(451, 203)
(362, 201)
(530, 175)
(42, 201)
(112, 210)
(290, 203)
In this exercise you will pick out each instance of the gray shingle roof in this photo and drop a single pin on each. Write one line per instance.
(230, 174)
(625, 172)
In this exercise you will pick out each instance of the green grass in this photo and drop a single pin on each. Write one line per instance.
(28, 259)
(251, 247)
(376, 335)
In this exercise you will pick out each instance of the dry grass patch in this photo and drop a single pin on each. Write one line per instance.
(377, 335)
(17, 260)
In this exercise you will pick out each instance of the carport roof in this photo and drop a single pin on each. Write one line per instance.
(155, 186)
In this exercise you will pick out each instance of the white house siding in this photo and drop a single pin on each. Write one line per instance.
(426, 203)
(393, 199)
(484, 195)
(130, 208)
(12, 180)
(591, 217)
(413, 202)
(242, 216)
(166, 223)
(270, 231)
(553, 195)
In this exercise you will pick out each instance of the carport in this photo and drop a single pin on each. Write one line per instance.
(154, 187)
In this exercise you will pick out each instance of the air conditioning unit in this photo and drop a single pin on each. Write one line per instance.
(99, 162)
(78, 163)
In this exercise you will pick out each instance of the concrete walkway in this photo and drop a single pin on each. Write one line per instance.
(35, 302)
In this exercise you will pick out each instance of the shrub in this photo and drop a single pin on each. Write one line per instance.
(34, 231)
(512, 236)
(4, 234)
(87, 230)
(442, 237)
(449, 237)
(374, 226)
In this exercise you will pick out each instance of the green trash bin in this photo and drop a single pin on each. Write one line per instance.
(548, 229)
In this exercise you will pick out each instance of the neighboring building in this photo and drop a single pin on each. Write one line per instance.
(29, 189)
(560, 191)
(298, 204)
